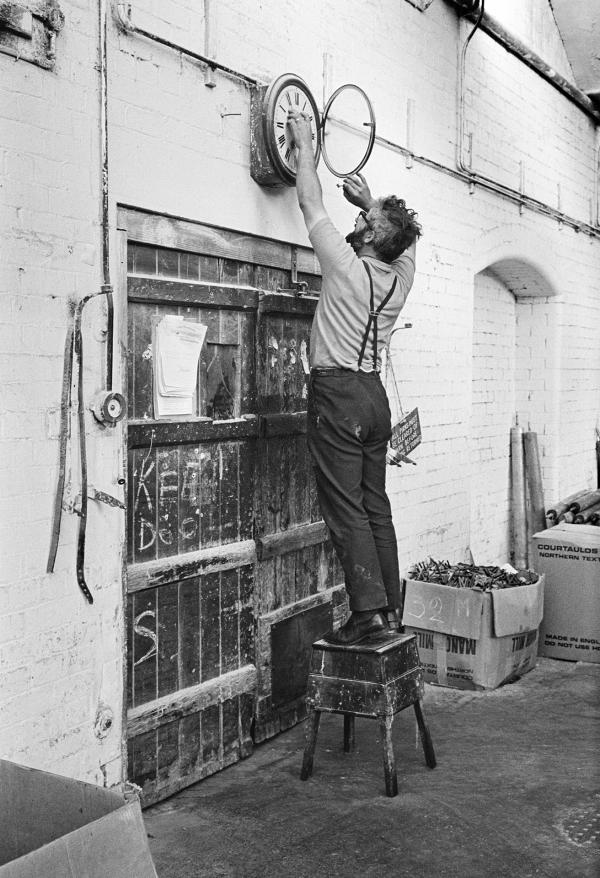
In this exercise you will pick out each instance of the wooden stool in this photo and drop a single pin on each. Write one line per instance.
(375, 680)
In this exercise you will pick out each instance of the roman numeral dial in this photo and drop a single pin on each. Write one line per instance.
(291, 97)
(286, 93)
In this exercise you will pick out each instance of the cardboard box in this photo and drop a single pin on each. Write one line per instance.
(56, 826)
(472, 639)
(569, 556)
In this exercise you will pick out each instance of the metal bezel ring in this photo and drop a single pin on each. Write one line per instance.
(371, 124)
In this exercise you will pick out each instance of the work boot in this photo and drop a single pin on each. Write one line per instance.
(359, 627)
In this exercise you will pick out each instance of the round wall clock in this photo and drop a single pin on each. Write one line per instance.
(273, 157)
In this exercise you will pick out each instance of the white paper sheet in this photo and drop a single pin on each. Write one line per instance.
(176, 350)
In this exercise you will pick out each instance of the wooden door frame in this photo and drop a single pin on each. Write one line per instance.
(120, 330)
(163, 230)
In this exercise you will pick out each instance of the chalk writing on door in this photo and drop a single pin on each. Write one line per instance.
(146, 632)
(179, 495)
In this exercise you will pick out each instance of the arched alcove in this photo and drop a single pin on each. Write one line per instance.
(515, 358)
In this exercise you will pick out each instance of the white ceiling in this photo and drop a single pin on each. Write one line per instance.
(579, 25)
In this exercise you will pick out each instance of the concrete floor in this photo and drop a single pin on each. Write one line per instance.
(515, 793)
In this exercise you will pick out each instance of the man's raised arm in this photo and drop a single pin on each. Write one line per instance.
(308, 187)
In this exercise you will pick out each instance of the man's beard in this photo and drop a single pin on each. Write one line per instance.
(355, 239)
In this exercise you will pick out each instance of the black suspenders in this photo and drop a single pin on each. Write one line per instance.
(373, 315)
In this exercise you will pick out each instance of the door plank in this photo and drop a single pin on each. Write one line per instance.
(193, 237)
(211, 735)
(200, 430)
(279, 543)
(229, 501)
(142, 758)
(247, 481)
(144, 647)
(283, 424)
(231, 730)
(210, 638)
(230, 635)
(287, 573)
(167, 752)
(287, 303)
(307, 488)
(246, 623)
(176, 567)
(284, 473)
(167, 628)
(128, 602)
(190, 737)
(189, 632)
(140, 358)
(167, 507)
(210, 515)
(142, 495)
(155, 290)
(146, 718)
(189, 500)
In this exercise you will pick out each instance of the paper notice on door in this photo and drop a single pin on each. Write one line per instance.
(176, 346)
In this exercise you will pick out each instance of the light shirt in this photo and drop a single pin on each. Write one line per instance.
(342, 313)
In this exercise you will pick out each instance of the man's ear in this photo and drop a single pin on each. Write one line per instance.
(368, 236)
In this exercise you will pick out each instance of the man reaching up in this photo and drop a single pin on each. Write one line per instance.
(364, 287)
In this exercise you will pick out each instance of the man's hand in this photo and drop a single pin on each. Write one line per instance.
(308, 188)
(356, 191)
(300, 129)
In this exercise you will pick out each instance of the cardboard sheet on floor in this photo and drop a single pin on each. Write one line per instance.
(56, 826)
(471, 639)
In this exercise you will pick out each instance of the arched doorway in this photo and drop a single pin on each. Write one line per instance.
(514, 369)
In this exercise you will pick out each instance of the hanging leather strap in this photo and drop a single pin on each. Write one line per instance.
(82, 523)
(373, 315)
(65, 411)
(73, 363)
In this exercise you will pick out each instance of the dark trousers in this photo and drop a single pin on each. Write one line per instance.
(347, 432)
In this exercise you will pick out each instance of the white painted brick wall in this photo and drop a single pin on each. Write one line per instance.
(173, 150)
(56, 661)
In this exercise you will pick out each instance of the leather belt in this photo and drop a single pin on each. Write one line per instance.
(341, 372)
(331, 371)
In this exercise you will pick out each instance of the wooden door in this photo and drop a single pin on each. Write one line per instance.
(229, 574)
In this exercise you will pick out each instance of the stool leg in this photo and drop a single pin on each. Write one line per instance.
(425, 736)
(312, 730)
(389, 763)
(348, 732)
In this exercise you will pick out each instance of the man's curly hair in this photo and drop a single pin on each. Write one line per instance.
(394, 225)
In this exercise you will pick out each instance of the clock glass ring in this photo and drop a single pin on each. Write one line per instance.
(288, 92)
(348, 130)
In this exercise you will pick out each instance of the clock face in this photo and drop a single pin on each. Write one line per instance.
(287, 93)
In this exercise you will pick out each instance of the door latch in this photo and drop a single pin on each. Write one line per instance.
(299, 287)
